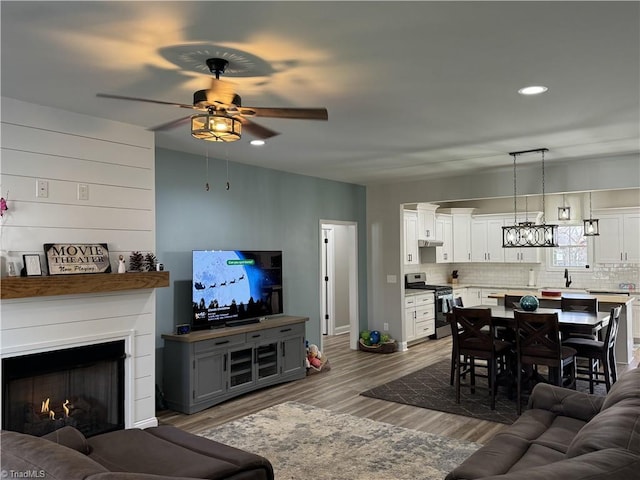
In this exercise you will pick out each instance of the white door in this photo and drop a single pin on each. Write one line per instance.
(339, 280)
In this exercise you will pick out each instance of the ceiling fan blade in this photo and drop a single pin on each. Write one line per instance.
(295, 113)
(220, 92)
(172, 124)
(256, 130)
(136, 99)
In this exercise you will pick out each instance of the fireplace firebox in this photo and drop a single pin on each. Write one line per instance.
(81, 386)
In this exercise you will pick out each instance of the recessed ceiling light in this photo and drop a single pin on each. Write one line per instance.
(533, 90)
(257, 143)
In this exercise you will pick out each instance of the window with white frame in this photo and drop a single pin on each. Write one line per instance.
(572, 247)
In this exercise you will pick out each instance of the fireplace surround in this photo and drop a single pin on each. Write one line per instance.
(82, 386)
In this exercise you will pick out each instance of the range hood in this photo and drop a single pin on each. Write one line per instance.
(430, 243)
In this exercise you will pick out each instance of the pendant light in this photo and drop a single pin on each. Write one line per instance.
(564, 212)
(591, 227)
(528, 234)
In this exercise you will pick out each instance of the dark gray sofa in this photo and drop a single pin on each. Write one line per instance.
(566, 435)
(157, 453)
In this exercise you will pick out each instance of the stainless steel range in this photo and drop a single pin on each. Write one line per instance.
(418, 281)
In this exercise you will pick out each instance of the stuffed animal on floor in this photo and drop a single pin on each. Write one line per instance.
(314, 356)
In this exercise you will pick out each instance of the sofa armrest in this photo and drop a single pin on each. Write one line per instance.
(566, 402)
(607, 464)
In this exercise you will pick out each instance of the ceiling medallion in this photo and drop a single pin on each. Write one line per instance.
(193, 57)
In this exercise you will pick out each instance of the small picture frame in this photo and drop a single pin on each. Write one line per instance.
(32, 265)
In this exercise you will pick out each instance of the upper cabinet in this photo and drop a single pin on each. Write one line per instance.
(526, 254)
(444, 232)
(618, 240)
(410, 224)
(461, 238)
(486, 238)
(427, 221)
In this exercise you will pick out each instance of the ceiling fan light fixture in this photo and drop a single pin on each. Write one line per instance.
(215, 127)
(533, 90)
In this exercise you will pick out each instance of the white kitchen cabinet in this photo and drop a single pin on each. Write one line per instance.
(419, 316)
(618, 240)
(486, 239)
(486, 294)
(426, 221)
(410, 222)
(473, 297)
(461, 232)
(462, 293)
(527, 254)
(444, 232)
(635, 311)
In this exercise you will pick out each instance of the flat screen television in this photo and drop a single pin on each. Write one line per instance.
(230, 286)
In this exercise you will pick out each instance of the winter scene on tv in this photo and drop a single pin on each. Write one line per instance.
(229, 285)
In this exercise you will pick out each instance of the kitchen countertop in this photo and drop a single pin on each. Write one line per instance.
(602, 298)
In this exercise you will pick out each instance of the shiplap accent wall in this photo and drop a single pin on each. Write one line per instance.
(117, 162)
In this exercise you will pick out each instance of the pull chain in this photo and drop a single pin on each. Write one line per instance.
(206, 185)
(515, 218)
(544, 221)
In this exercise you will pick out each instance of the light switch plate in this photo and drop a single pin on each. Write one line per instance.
(42, 189)
(83, 191)
(392, 279)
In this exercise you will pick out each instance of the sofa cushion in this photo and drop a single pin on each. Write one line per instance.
(69, 437)
(627, 387)
(608, 464)
(537, 455)
(560, 433)
(26, 453)
(617, 426)
(136, 450)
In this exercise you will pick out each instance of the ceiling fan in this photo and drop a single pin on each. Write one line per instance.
(223, 115)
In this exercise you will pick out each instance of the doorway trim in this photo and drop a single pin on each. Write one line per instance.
(352, 272)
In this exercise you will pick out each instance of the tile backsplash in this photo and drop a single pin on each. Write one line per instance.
(606, 277)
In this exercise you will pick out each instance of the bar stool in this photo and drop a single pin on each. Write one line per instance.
(598, 352)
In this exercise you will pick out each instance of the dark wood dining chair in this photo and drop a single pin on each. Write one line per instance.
(597, 353)
(474, 337)
(538, 343)
(454, 302)
(512, 301)
(584, 304)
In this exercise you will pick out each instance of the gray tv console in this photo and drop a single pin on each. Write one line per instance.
(206, 367)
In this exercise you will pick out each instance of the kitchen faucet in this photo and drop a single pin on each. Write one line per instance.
(567, 278)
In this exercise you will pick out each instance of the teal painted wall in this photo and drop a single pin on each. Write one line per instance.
(264, 209)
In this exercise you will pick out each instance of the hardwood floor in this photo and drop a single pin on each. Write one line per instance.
(339, 390)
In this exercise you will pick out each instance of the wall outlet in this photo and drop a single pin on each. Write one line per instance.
(42, 189)
(83, 191)
(385, 327)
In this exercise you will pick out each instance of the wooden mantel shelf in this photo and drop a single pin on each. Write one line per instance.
(24, 287)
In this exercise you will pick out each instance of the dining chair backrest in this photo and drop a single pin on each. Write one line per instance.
(612, 328)
(512, 301)
(538, 338)
(474, 330)
(586, 304)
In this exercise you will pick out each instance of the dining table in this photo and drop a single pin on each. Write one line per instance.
(589, 323)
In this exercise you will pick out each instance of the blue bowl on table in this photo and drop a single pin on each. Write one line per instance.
(529, 303)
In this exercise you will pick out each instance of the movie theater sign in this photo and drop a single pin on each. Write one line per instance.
(65, 259)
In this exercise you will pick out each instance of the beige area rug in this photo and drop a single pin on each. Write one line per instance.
(307, 442)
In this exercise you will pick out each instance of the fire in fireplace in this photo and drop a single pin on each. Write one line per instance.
(81, 386)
